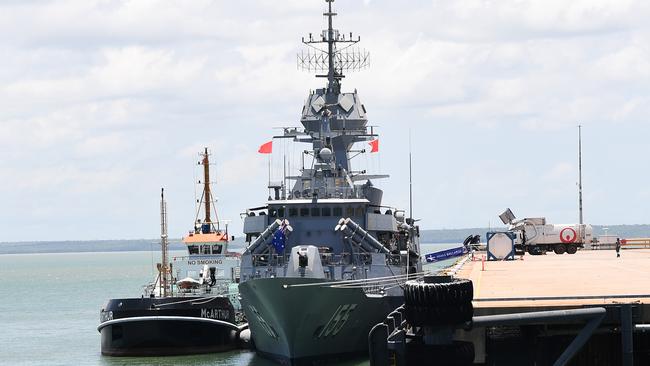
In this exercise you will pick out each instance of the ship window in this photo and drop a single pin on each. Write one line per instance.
(360, 211)
(272, 212)
(327, 211)
(315, 211)
(205, 249)
(293, 212)
(338, 211)
(280, 212)
(304, 211)
(216, 249)
(193, 249)
(349, 211)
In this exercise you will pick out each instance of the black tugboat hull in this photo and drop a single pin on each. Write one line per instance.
(166, 336)
(167, 326)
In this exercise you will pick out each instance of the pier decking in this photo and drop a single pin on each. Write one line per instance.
(585, 278)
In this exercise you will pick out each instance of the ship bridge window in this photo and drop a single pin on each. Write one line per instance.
(281, 212)
(216, 249)
(349, 211)
(293, 212)
(193, 249)
(359, 211)
(205, 249)
(272, 212)
(315, 211)
(338, 211)
(327, 211)
(304, 211)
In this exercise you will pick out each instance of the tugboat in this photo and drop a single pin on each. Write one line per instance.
(192, 307)
(326, 259)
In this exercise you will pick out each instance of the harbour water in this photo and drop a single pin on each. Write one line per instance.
(49, 307)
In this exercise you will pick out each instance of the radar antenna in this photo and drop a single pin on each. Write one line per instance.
(332, 60)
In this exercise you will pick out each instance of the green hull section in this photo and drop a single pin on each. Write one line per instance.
(293, 319)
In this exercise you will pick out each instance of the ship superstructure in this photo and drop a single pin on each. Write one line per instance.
(325, 257)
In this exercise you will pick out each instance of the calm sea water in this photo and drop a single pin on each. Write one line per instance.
(49, 308)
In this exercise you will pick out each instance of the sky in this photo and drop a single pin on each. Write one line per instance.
(102, 103)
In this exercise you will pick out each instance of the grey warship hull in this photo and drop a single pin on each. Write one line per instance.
(295, 320)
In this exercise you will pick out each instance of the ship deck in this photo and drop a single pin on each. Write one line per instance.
(587, 278)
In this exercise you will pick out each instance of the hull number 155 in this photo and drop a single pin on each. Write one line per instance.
(337, 321)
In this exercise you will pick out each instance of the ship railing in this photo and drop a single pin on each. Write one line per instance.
(327, 259)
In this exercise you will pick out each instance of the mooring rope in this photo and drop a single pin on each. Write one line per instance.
(367, 281)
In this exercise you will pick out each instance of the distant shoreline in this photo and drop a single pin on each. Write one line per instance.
(439, 236)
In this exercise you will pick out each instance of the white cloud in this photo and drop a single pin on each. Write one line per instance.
(105, 101)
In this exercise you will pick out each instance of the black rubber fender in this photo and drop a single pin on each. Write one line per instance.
(455, 354)
(459, 291)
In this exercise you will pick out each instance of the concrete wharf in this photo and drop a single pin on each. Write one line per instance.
(587, 279)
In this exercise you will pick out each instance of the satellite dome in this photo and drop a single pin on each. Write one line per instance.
(325, 154)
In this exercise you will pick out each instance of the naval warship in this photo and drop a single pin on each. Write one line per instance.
(326, 259)
(193, 306)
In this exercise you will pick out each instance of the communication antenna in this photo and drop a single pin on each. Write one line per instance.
(332, 60)
(580, 173)
(410, 180)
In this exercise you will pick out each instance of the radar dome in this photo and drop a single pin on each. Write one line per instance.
(325, 154)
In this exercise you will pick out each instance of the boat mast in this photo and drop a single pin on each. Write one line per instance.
(164, 268)
(206, 186)
(580, 172)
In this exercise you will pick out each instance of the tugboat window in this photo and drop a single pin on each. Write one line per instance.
(272, 212)
(338, 211)
(216, 249)
(315, 211)
(349, 211)
(206, 249)
(193, 249)
(304, 211)
(359, 212)
(280, 212)
(327, 211)
(293, 212)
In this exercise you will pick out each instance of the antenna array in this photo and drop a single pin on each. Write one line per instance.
(323, 54)
(317, 60)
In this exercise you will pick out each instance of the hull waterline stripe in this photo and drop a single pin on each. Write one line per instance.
(166, 318)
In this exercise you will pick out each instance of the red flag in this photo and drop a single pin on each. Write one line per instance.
(374, 146)
(266, 148)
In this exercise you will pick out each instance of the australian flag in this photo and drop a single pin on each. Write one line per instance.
(280, 239)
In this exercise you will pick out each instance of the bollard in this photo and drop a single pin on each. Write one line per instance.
(378, 345)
